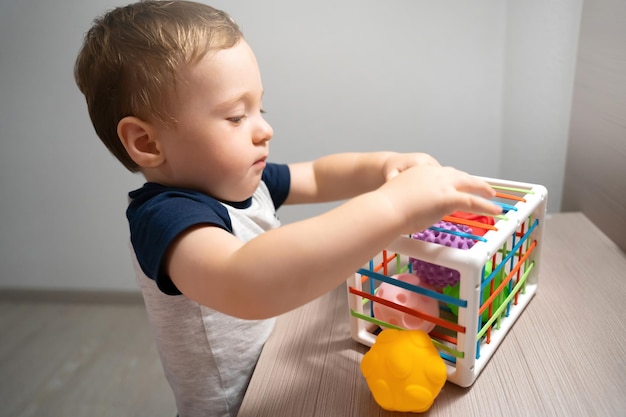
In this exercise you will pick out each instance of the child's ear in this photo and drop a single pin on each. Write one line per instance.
(138, 138)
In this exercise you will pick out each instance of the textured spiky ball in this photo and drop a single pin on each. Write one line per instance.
(437, 275)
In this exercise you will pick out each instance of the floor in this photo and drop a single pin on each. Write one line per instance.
(79, 358)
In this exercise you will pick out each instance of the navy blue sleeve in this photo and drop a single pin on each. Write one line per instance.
(157, 215)
(278, 180)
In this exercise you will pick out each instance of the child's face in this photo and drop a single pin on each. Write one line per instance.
(221, 141)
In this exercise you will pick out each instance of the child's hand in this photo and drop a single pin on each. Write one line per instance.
(424, 193)
(399, 162)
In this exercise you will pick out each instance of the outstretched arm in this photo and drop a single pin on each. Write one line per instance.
(289, 266)
(346, 175)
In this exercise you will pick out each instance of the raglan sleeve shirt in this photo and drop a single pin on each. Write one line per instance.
(157, 215)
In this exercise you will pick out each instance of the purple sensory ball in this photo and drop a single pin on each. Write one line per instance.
(437, 275)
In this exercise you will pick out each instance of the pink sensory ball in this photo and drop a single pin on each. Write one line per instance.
(409, 299)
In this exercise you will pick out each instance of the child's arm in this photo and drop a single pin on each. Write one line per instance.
(289, 266)
(341, 176)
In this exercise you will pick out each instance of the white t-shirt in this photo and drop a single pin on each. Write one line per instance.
(208, 357)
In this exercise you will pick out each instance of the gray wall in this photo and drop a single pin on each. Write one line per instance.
(541, 44)
(595, 175)
(469, 82)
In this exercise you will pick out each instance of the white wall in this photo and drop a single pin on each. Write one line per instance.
(339, 75)
(538, 79)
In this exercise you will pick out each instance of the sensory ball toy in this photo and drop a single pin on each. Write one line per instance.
(406, 298)
(404, 371)
(437, 275)
(478, 229)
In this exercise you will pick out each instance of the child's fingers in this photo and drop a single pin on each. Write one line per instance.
(481, 205)
(392, 174)
(475, 185)
(478, 193)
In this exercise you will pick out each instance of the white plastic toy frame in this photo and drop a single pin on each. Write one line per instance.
(514, 248)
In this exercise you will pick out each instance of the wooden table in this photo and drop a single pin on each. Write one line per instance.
(565, 356)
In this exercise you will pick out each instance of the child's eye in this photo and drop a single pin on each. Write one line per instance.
(236, 119)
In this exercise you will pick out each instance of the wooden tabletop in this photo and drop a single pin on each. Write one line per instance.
(565, 356)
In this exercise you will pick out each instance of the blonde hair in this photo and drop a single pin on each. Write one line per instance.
(131, 57)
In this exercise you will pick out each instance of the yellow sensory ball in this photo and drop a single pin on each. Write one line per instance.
(404, 371)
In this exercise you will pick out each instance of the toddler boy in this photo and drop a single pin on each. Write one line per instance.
(174, 92)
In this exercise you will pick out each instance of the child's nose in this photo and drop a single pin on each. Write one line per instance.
(264, 131)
